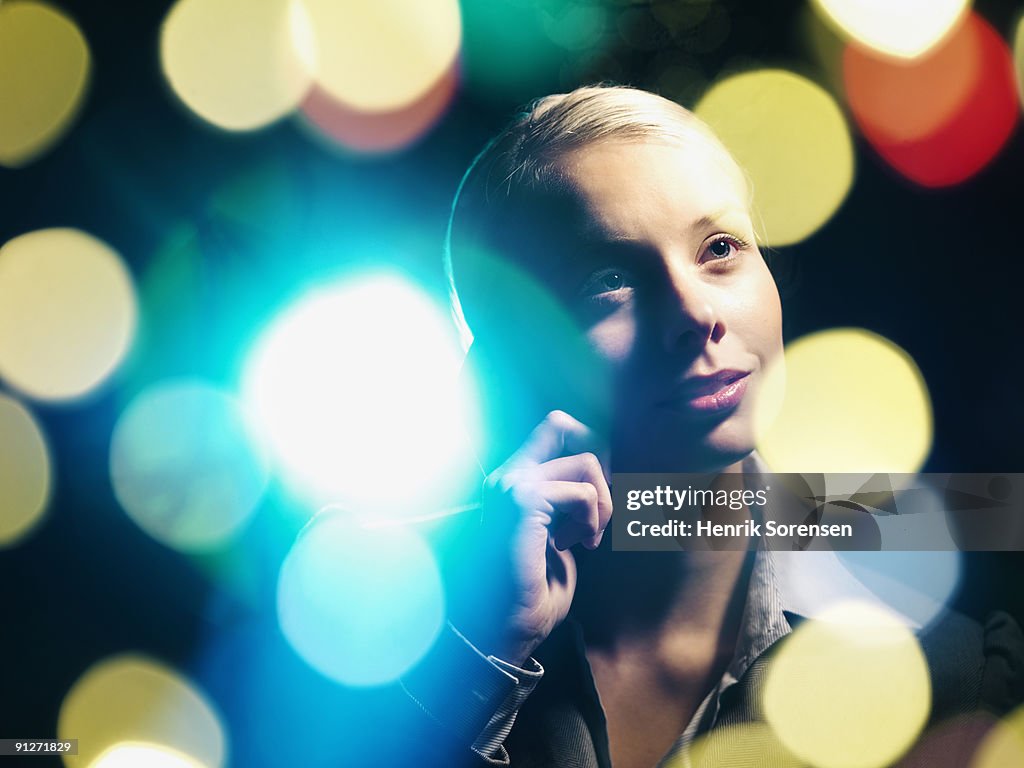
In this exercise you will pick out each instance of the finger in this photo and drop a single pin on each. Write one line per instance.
(584, 468)
(571, 532)
(558, 500)
(574, 512)
(559, 434)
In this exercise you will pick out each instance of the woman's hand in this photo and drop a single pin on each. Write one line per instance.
(550, 494)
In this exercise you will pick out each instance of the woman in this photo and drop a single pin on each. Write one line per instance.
(603, 254)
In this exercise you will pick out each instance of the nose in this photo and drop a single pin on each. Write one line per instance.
(690, 316)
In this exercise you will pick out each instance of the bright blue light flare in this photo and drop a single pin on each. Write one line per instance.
(359, 605)
(356, 390)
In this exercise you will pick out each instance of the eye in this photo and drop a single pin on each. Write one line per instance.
(720, 248)
(723, 248)
(604, 282)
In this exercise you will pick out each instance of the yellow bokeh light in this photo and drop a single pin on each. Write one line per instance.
(131, 698)
(24, 472)
(848, 690)
(235, 63)
(44, 70)
(844, 400)
(384, 55)
(904, 29)
(1004, 744)
(132, 754)
(67, 313)
(790, 137)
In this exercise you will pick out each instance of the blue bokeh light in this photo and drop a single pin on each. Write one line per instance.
(360, 605)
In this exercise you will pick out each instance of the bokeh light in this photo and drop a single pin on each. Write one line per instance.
(816, 582)
(918, 585)
(574, 26)
(44, 72)
(385, 55)
(903, 101)
(844, 400)
(360, 605)
(136, 754)
(790, 137)
(185, 466)
(1004, 744)
(942, 117)
(1018, 57)
(234, 63)
(909, 516)
(903, 29)
(25, 473)
(132, 698)
(356, 390)
(507, 56)
(822, 44)
(849, 690)
(67, 313)
(378, 132)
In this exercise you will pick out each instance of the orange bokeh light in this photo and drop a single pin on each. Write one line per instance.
(942, 117)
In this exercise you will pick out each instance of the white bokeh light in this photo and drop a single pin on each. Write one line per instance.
(904, 29)
(356, 391)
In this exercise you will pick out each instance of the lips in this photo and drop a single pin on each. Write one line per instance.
(720, 391)
(707, 385)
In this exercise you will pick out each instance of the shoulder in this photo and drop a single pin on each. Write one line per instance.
(974, 665)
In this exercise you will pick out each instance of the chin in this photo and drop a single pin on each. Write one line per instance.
(731, 441)
(671, 447)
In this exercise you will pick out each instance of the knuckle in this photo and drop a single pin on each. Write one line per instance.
(591, 462)
(588, 494)
(520, 495)
(492, 482)
(558, 418)
(499, 483)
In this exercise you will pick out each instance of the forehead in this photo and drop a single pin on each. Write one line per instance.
(643, 189)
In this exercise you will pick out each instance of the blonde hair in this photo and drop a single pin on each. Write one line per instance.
(521, 162)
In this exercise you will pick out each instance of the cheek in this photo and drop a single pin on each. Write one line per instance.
(614, 337)
(772, 319)
(756, 316)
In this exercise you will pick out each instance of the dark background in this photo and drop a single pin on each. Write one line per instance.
(939, 272)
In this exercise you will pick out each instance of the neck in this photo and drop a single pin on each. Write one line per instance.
(622, 596)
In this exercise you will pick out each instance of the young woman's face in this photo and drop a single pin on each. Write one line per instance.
(659, 263)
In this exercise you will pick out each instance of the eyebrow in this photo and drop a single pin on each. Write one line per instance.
(710, 219)
(588, 251)
(592, 236)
